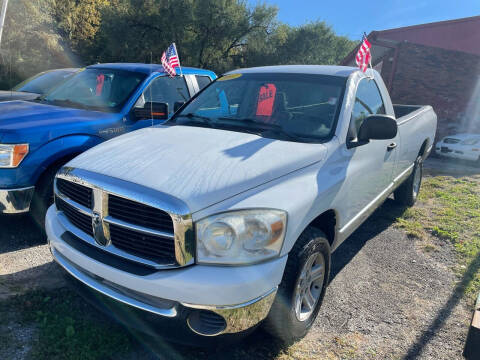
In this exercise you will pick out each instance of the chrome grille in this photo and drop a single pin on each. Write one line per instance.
(76, 192)
(78, 219)
(149, 246)
(138, 231)
(139, 214)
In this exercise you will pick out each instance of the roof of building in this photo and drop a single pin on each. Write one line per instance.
(148, 68)
(343, 71)
(454, 35)
(458, 35)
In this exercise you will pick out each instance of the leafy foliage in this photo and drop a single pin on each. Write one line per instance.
(214, 34)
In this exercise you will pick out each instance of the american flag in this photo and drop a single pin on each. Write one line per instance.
(170, 60)
(364, 56)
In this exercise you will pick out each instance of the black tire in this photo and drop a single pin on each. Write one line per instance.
(282, 321)
(407, 193)
(43, 198)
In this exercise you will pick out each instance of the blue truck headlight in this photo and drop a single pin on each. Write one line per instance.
(12, 155)
(240, 237)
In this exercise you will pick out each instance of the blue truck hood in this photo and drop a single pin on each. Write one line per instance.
(24, 121)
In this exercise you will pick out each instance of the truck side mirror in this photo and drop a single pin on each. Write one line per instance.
(152, 110)
(378, 127)
(178, 105)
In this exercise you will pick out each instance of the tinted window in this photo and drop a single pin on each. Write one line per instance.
(286, 106)
(368, 101)
(203, 81)
(165, 90)
(44, 82)
(96, 89)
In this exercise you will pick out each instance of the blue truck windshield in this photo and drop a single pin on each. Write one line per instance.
(96, 89)
(288, 106)
(44, 82)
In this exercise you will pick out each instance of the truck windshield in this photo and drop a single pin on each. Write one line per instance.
(44, 82)
(96, 89)
(293, 107)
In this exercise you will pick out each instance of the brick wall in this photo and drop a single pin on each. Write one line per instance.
(447, 80)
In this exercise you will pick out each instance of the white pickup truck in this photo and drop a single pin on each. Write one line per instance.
(225, 217)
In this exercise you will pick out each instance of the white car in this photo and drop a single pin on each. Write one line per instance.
(460, 146)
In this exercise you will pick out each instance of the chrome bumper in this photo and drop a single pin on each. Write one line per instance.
(15, 201)
(237, 317)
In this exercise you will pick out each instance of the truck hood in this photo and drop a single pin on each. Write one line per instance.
(36, 122)
(17, 95)
(200, 166)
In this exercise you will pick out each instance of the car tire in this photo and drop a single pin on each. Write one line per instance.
(43, 198)
(407, 193)
(292, 313)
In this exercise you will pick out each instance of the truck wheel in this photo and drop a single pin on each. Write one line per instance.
(301, 292)
(43, 198)
(407, 193)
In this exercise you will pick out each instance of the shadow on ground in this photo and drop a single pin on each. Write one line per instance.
(18, 232)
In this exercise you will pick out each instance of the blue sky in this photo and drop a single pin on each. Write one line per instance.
(352, 18)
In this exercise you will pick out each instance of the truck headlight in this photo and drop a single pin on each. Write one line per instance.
(12, 155)
(240, 237)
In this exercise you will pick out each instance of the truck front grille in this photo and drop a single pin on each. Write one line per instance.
(148, 246)
(78, 219)
(133, 230)
(139, 214)
(76, 192)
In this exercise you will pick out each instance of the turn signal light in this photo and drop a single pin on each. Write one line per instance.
(19, 153)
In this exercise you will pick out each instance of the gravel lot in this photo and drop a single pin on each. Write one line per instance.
(388, 298)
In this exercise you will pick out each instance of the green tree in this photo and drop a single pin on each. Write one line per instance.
(30, 43)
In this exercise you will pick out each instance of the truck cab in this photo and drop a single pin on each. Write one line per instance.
(96, 104)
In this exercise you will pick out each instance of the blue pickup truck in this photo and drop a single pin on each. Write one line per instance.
(98, 103)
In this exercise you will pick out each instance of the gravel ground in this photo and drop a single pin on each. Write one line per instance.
(388, 298)
(25, 260)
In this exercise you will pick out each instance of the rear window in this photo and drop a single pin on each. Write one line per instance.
(203, 81)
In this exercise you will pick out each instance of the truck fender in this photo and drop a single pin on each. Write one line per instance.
(61, 148)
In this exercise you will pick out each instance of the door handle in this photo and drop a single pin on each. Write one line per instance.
(391, 146)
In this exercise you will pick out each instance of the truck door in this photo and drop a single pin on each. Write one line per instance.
(369, 166)
(163, 89)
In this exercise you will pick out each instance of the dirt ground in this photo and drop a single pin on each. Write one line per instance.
(388, 298)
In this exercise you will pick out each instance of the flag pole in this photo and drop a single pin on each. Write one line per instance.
(178, 56)
(2, 18)
(370, 59)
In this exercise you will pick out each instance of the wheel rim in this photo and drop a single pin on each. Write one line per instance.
(309, 286)
(417, 178)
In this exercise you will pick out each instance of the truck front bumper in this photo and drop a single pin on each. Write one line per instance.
(210, 300)
(16, 201)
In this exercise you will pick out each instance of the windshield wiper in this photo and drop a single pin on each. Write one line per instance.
(263, 127)
(204, 119)
(67, 103)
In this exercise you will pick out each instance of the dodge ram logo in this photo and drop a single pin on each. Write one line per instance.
(98, 233)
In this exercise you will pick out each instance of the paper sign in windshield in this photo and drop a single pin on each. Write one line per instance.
(266, 100)
(100, 82)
